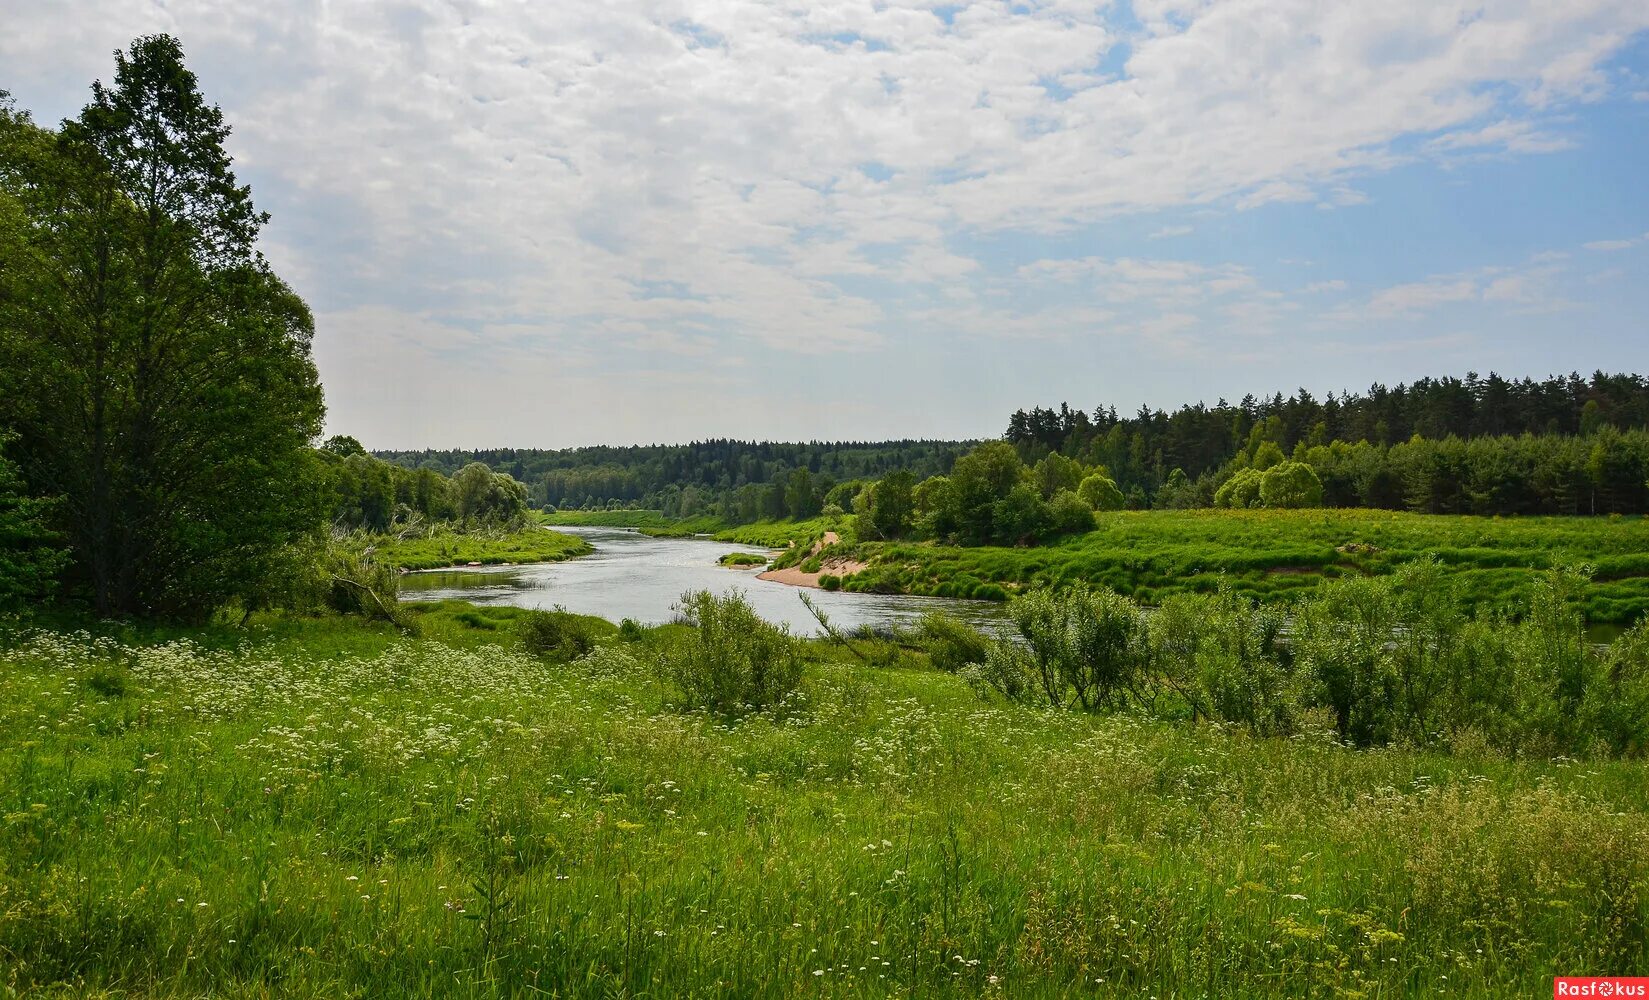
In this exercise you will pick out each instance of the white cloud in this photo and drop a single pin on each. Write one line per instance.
(660, 176)
(1610, 245)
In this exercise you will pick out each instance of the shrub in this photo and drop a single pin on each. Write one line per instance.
(1070, 515)
(1100, 493)
(830, 581)
(1090, 644)
(1291, 485)
(1240, 491)
(1221, 653)
(630, 630)
(951, 644)
(557, 634)
(733, 660)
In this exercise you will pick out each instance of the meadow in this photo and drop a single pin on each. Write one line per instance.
(1278, 555)
(329, 807)
(445, 545)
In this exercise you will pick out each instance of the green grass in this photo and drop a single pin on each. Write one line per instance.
(772, 534)
(743, 559)
(1277, 555)
(327, 808)
(445, 547)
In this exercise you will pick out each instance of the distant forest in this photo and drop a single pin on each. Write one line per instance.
(742, 481)
(1489, 445)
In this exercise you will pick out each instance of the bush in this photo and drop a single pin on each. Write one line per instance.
(557, 634)
(1090, 644)
(1070, 515)
(1291, 485)
(1222, 654)
(733, 661)
(1240, 491)
(630, 630)
(951, 644)
(830, 581)
(1100, 492)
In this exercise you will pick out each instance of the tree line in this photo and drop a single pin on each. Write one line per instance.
(1562, 445)
(740, 481)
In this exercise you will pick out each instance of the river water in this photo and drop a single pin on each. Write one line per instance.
(631, 575)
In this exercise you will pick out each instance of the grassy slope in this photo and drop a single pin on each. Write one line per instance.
(327, 810)
(1273, 555)
(449, 548)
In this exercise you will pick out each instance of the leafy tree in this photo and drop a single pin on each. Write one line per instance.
(1100, 492)
(1242, 490)
(1056, 472)
(935, 505)
(1291, 485)
(1267, 455)
(343, 446)
(29, 557)
(158, 371)
(480, 494)
(1021, 517)
(890, 504)
(981, 480)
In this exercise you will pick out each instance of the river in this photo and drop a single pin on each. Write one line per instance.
(631, 575)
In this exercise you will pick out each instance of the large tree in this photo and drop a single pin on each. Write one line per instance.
(158, 373)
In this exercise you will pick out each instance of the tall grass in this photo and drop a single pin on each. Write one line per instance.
(325, 808)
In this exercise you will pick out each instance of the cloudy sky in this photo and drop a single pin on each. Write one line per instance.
(557, 223)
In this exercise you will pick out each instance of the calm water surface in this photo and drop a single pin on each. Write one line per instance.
(631, 575)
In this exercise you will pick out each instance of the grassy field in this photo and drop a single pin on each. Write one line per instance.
(445, 547)
(1276, 555)
(772, 534)
(328, 808)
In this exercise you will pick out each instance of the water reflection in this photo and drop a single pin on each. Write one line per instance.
(631, 575)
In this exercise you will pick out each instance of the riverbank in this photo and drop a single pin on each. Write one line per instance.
(442, 548)
(826, 574)
(779, 534)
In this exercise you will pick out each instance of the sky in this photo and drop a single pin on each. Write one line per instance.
(547, 224)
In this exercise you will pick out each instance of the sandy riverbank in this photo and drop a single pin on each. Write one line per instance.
(794, 576)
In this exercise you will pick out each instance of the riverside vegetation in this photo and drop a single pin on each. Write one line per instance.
(332, 807)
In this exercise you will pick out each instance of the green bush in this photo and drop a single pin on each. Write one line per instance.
(557, 634)
(732, 661)
(630, 630)
(830, 581)
(951, 644)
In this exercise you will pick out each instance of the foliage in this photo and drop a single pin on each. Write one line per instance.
(482, 495)
(556, 634)
(1290, 486)
(1068, 514)
(158, 372)
(1100, 492)
(951, 644)
(1527, 441)
(29, 557)
(1241, 491)
(433, 546)
(732, 661)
